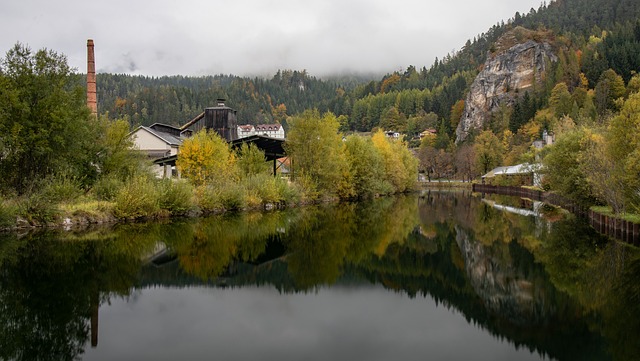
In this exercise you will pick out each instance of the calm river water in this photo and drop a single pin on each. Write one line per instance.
(436, 276)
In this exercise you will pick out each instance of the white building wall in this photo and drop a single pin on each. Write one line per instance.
(148, 142)
(261, 131)
(245, 133)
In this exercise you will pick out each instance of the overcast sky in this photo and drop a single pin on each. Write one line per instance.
(251, 37)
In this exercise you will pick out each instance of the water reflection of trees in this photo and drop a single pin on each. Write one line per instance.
(600, 275)
(551, 287)
(50, 290)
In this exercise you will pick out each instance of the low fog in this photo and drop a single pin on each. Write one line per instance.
(251, 37)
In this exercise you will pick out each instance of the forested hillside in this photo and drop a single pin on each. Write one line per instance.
(177, 99)
(593, 36)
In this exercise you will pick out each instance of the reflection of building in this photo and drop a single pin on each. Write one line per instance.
(515, 210)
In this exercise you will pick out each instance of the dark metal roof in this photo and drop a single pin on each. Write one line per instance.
(168, 138)
(273, 148)
(268, 127)
(166, 128)
(165, 137)
(170, 159)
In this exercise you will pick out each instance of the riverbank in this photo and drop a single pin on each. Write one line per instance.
(625, 229)
(22, 214)
(86, 214)
(445, 184)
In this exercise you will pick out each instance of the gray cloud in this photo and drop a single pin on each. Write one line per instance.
(249, 37)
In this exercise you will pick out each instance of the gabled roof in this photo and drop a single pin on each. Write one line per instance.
(524, 168)
(271, 127)
(166, 128)
(165, 137)
(161, 125)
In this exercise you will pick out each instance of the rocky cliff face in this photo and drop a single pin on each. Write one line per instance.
(505, 74)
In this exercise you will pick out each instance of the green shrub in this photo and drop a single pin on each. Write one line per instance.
(106, 188)
(307, 187)
(36, 208)
(138, 198)
(252, 197)
(8, 214)
(61, 188)
(233, 196)
(176, 196)
(266, 188)
(289, 192)
(382, 187)
(208, 198)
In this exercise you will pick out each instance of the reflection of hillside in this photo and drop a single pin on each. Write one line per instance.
(515, 301)
(549, 324)
(553, 289)
(517, 294)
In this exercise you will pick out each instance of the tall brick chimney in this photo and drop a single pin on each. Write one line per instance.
(92, 100)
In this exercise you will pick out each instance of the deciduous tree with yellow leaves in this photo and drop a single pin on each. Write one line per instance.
(206, 158)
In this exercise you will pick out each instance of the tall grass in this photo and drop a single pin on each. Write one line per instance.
(176, 196)
(37, 209)
(137, 199)
(207, 198)
(107, 188)
(62, 187)
(8, 214)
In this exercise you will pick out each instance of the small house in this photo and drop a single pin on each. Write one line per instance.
(524, 174)
(391, 134)
(428, 132)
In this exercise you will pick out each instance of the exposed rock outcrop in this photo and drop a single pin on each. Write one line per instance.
(505, 74)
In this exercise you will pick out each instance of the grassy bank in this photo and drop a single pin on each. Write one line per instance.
(445, 184)
(608, 211)
(147, 198)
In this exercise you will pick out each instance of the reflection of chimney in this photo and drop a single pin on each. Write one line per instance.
(95, 308)
(92, 100)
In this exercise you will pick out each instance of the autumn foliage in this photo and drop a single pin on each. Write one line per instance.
(206, 158)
